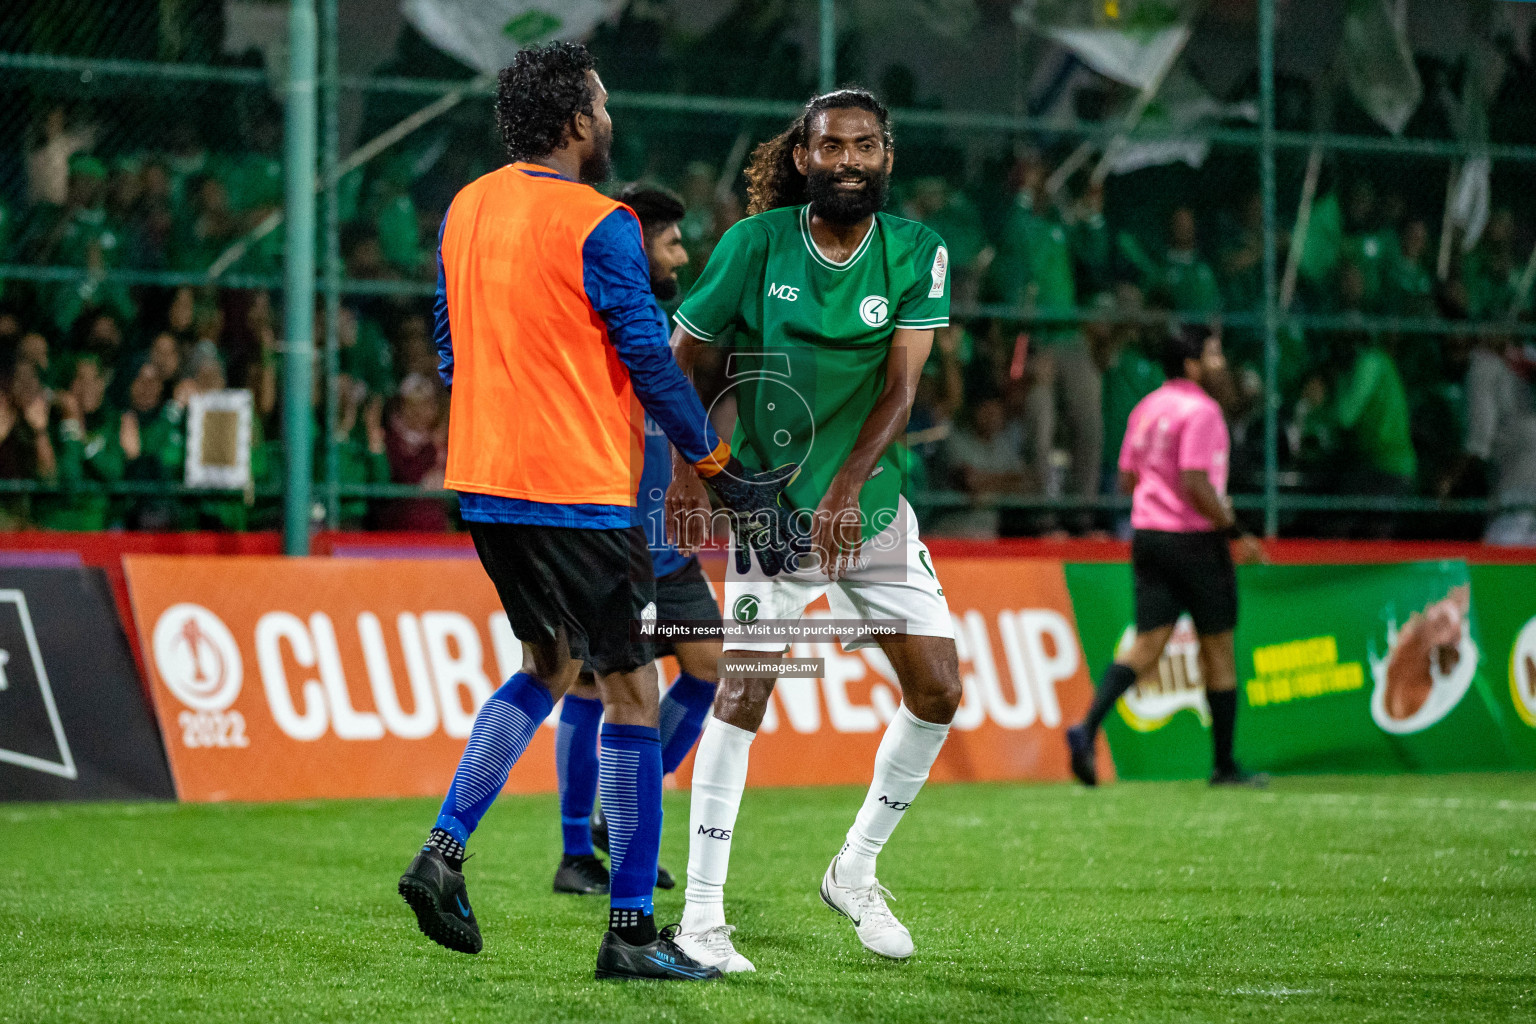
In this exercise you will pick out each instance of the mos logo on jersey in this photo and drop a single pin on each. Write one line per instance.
(875, 310)
(783, 291)
(745, 609)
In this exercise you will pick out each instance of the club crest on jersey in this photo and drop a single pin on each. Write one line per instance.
(783, 291)
(745, 609)
(875, 310)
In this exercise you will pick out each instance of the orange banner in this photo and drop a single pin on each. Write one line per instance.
(281, 679)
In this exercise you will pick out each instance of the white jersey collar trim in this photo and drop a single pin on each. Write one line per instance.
(819, 257)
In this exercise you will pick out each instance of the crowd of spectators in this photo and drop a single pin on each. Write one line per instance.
(1037, 408)
(1025, 398)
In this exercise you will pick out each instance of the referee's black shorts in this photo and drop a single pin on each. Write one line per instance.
(1184, 572)
(587, 587)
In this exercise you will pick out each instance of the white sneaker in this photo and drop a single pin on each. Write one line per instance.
(873, 922)
(712, 947)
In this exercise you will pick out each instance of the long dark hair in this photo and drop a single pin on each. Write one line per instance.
(772, 178)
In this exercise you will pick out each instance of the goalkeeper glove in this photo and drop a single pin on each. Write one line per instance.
(761, 520)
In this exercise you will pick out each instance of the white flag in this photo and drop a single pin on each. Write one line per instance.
(486, 34)
(1131, 41)
(1378, 63)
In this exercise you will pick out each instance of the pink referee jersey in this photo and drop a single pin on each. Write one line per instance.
(1176, 427)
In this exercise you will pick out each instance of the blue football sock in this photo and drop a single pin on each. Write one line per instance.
(631, 783)
(501, 732)
(683, 711)
(576, 767)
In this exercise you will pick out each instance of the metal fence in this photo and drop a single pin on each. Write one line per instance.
(148, 174)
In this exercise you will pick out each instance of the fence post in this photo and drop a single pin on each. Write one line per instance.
(1271, 317)
(330, 155)
(827, 74)
(299, 276)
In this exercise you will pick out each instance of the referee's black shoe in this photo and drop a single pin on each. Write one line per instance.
(1237, 776)
(583, 875)
(664, 879)
(1080, 747)
(660, 960)
(440, 899)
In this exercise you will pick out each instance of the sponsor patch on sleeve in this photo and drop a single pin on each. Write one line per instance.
(939, 272)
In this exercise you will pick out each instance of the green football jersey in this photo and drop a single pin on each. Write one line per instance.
(809, 340)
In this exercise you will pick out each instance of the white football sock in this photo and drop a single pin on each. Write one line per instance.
(719, 776)
(907, 751)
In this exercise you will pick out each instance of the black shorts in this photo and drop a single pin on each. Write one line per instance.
(684, 596)
(1184, 572)
(585, 587)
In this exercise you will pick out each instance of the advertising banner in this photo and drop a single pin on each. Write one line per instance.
(73, 720)
(1385, 668)
(1506, 603)
(291, 679)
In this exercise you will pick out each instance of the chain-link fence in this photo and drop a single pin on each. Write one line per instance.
(1376, 320)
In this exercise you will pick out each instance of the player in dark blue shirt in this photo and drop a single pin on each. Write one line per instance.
(683, 596)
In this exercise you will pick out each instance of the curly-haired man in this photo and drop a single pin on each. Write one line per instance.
(547, 333)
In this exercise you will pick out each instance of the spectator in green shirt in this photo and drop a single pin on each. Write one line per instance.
(366, 354)
(395, 219)
(88, 443)
(1367, 243)
(1039, 256)
(361, 455)
(205, 227)
(26, 445)
(1370, 409)
(1409, 290)
(144, 439)
(79, 234)
(951, 215)
(1128, 377)
(1187, 278)
(253, 175)
(1410, 282)
(1182, 275)
(1492, 271)
(186, 162)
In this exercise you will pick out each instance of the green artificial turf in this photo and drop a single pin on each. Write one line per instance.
(1323, 899)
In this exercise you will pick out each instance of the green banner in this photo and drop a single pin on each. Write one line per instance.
(1427, 666)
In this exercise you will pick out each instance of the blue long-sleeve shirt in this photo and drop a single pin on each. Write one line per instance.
(617, 281)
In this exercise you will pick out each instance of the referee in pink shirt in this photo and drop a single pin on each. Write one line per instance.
(1173, 463)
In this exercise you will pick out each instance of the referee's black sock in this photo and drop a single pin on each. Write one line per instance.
(1115, 681)
(1223, 726)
